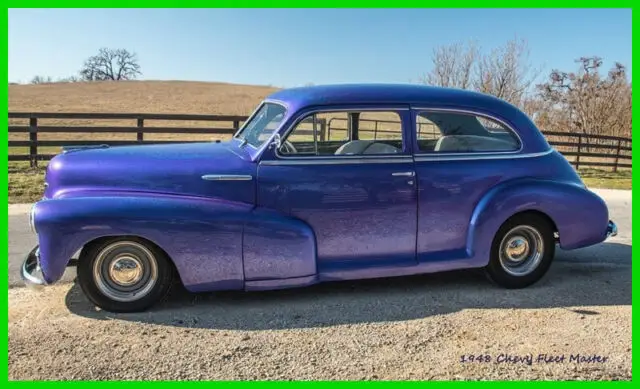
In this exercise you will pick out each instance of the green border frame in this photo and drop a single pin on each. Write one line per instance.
(300, 4)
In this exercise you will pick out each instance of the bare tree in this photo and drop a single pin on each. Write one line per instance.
(69, 79)
(586, 102)
(41, 80)
(111, 65)
(453, 66)
(506, 72)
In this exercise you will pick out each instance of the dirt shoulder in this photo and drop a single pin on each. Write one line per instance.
(408, 328)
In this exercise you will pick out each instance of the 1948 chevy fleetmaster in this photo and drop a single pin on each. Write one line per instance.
(321, 183)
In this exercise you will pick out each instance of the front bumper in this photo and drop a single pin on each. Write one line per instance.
(612, 229)
(31, 273)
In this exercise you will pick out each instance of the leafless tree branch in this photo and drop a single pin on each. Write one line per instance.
(111, 65)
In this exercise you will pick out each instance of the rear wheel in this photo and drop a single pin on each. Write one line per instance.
(522, 251)
(124, 274)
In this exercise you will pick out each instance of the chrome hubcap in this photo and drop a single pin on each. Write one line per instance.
(521, 250)
(125, 271)
(517, 248)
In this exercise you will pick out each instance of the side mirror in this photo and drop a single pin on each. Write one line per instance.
(277, 142)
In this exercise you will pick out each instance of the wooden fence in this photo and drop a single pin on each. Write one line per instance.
(582, 150)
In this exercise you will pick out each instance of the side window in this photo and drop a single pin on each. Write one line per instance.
(380, 126)
(345, 133)
(451, 132)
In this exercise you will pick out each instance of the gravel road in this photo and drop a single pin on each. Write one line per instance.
(573, 324)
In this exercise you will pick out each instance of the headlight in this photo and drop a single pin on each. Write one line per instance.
(32, 224)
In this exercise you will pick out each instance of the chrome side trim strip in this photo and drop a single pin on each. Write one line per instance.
(335, 161)
(435, 157)
(226, 177)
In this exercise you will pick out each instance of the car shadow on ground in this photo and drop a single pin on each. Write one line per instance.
(578, 281)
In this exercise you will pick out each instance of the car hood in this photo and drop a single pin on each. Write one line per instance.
(169, 169)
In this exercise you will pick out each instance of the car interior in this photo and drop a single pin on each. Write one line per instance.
(450, 133)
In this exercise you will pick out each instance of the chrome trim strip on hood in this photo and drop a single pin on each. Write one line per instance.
(226, 177)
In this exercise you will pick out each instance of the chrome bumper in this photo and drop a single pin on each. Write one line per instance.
(612, 229)
(31, 273)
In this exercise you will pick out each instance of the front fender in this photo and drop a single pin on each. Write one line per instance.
(188, 229)
(580, 216)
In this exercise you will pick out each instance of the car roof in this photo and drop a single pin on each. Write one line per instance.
(415, 94)
(418, 96)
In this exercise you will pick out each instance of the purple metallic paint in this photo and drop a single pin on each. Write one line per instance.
(203, 237)
(170, 169)
(450, 192)
(277, 247)
(295, 225)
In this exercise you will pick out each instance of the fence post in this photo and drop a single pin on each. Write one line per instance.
(323, 129)
(140, 134)
(579, 151)
(236, 125)
(33, 138)
(615, 166)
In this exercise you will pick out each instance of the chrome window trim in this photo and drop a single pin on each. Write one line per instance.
(365, 109)
(338, 160)
(226, 177)
(434, 157)
(358, 160)
(421, 153)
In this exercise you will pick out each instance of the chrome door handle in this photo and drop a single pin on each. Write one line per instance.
(402, 174)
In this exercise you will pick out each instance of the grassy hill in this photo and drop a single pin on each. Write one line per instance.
(139, 97)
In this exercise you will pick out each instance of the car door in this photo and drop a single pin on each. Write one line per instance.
(459, 156)
(350, 176)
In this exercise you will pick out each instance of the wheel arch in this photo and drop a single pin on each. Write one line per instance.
(536, 212)
(100, 239)
(558, 202)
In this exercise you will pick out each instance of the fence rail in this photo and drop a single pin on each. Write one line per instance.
(611, 151)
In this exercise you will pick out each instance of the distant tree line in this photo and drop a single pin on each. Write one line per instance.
(581, 100)
(107, 65)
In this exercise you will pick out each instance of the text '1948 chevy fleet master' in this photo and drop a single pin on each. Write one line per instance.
(321, 183)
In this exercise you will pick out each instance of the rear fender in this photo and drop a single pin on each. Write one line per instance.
(580, 216)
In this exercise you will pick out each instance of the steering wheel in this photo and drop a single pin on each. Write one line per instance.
(288, 147)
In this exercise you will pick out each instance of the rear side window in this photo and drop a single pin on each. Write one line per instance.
(455, 132)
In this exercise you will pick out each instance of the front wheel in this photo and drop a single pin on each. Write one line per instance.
(522, 251)
(124, 274)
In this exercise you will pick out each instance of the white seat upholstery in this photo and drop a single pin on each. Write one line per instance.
(472, 143)
(357, 147)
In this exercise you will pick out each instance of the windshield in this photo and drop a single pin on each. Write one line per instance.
(257, 130)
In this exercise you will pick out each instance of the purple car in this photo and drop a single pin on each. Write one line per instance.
(322, 183)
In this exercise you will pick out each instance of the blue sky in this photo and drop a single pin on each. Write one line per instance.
(290, 47)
